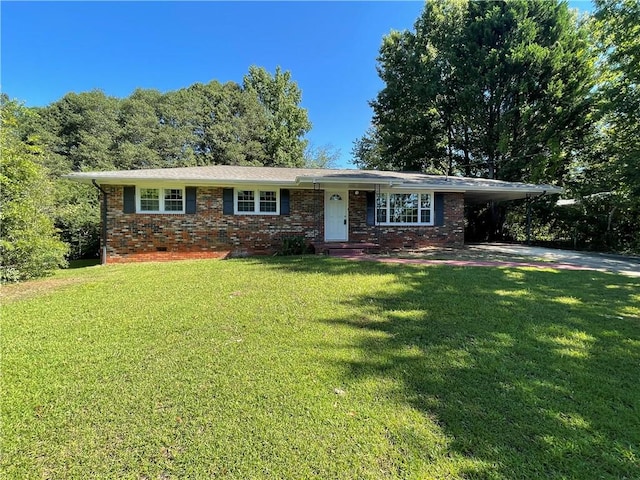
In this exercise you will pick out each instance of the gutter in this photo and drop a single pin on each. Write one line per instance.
(103, 254)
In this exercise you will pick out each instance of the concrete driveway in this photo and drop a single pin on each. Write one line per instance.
(626, 265)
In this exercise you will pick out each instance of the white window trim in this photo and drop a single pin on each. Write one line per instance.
(162, 211)
(407, 224)
(256, 200)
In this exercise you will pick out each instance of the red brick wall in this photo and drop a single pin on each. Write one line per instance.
(208, 230)
(210, 234)
(398, 237)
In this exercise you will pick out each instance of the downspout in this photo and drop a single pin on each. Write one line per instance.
(529, 202)
(103, 240)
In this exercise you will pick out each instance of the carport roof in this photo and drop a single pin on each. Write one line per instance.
(476, 190)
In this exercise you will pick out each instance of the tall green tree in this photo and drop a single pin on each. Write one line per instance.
(227, 124)
(76, 215)
(81, 130)
(288, 122)
(323, 156)
(367, 152)
(29, 245)
(492, 89)
(613, 176)
(604, 181)
(139, 142)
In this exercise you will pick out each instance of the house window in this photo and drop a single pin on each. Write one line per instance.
(173, 199)
(411, 208)
(257, 201)
(268, 201)
(161, 200)
(246, 201)
(149, 199)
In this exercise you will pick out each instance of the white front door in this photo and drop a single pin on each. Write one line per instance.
(336, 228)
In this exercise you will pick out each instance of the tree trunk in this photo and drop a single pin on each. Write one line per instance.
(467, 159)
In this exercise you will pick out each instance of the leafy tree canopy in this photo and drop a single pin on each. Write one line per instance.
(287, 122)
(324, 156)
(492, 89)
(259, 123)
(29, 245)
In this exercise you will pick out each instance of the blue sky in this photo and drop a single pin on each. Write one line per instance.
(52, 48)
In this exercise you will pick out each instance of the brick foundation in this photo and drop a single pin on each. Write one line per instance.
(210, 234)
(167, 256)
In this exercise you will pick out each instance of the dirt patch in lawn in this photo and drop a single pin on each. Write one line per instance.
(10, 293)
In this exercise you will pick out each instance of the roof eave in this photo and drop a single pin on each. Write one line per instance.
(510, 194)
(479, 192)
(347, 180)
(124, 180)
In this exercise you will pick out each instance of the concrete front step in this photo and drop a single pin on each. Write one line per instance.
(345, 248)
(345, 252)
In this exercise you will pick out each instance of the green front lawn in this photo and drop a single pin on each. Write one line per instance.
(315, 367)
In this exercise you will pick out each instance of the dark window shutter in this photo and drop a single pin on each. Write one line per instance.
(190, 206)
(227, 201)
(285, 208)
(439, 209)
(371, 208)
(129, 200)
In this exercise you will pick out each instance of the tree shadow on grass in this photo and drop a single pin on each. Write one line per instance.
(534, 373)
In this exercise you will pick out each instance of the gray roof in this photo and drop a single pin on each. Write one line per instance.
(475, 189)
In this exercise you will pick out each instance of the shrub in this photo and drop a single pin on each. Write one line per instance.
(294, 245)
(29, 244)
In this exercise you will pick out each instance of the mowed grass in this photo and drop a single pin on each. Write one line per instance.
(317, 367)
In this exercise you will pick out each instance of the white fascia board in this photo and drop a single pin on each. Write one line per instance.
(347, 180)
(126, 180)
(429, 187)
(235, 183)
(401, 185)
(523, 189)
(547, 189)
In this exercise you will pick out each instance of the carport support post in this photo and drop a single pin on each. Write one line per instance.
(528, 219)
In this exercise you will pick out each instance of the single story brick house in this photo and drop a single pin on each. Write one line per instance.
(214, 211)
